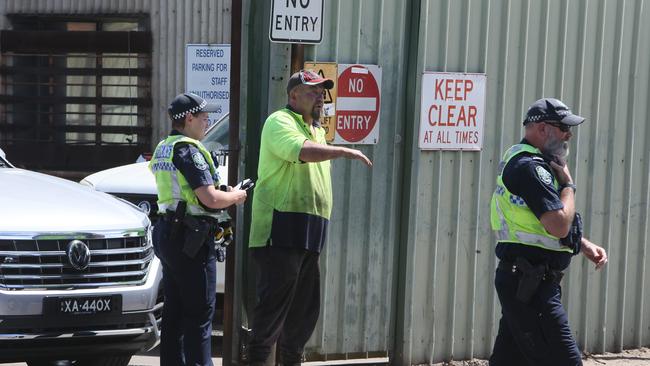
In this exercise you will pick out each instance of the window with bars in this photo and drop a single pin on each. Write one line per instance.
(75, 93)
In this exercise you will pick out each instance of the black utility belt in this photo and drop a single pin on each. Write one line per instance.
(548, 275)
(193, 231)
(169, 216)
(530, 276)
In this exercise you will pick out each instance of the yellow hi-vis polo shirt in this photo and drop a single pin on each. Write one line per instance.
(292, 201)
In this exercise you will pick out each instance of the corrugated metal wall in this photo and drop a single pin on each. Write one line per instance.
(359, 265)
(594, 55)
(410, 262)
(173, 25)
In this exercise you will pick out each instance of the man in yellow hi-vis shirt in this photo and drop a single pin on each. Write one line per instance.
(291, 210)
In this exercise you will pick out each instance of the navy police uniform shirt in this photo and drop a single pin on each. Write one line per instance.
(520, 176)
(197, 174)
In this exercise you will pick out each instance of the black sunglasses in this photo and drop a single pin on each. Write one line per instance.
(561, 126)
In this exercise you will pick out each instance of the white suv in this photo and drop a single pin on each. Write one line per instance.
(78, 277)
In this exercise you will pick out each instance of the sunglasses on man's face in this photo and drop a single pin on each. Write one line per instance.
(562, 127)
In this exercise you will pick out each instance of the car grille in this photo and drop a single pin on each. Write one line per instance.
(38, 264)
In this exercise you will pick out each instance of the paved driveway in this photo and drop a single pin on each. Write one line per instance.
(152, 359)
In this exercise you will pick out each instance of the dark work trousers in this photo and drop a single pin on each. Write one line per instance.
(534, 334)
(288, 302)
(190, 286)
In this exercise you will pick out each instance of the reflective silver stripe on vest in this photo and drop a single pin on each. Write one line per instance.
(163, 207)
(176, 188)
(547, 242)
(504, 233)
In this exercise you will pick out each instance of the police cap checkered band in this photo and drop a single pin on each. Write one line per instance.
(551, 109)
(186, 103)
(308, 77)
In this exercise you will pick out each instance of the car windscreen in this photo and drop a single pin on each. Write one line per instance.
(216, 139)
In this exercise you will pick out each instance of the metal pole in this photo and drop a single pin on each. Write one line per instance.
(297, 57)
(230, 333)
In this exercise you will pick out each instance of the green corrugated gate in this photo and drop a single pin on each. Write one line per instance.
(409, 265)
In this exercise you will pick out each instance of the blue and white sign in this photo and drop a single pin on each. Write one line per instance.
(207, 74)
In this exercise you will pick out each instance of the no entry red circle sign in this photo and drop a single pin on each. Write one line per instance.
(357, 104)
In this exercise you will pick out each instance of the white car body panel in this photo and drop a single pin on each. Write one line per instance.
(42, 203)
(39, 212)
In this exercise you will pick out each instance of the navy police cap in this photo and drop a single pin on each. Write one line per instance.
(551, 109)
(189, 103)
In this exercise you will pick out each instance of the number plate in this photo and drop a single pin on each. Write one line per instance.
(87, 305)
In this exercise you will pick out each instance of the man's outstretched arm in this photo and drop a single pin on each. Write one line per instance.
(312, 152)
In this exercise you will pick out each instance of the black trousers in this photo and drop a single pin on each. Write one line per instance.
(190, 286)
(288, 302)
(534, 334)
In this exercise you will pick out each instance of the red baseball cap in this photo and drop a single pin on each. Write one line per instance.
(308, 77)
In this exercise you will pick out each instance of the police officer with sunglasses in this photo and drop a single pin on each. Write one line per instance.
(538, 232)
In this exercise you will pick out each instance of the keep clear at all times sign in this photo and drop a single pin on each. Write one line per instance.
(207, 74)
(452, 111)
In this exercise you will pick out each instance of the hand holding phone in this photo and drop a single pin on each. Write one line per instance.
(246, 184)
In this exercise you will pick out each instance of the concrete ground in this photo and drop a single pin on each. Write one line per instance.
(634, 357)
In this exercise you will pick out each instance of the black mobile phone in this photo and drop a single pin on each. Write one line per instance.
(245, 184)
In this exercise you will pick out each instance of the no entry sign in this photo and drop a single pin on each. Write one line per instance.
(357, 104)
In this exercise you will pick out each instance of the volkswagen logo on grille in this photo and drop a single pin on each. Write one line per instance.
(78, 255)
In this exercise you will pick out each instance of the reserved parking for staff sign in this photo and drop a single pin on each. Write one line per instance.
(207, 74)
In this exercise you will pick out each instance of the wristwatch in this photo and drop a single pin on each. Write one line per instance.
(568, 185)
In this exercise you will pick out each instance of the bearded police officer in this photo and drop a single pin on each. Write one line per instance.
(538, 232)
(189, 203)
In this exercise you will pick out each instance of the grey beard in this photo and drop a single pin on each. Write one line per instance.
(558, 149)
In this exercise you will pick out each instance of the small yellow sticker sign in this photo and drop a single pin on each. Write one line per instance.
(328, 70)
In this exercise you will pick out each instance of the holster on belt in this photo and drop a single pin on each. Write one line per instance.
(529, 280)
(197, 231)
(177, 217)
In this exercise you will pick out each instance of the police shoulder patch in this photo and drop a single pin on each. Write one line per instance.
(199, 161)
(544, 175)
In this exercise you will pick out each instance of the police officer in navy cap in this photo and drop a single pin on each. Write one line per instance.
(538, 232)
(190, 206)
